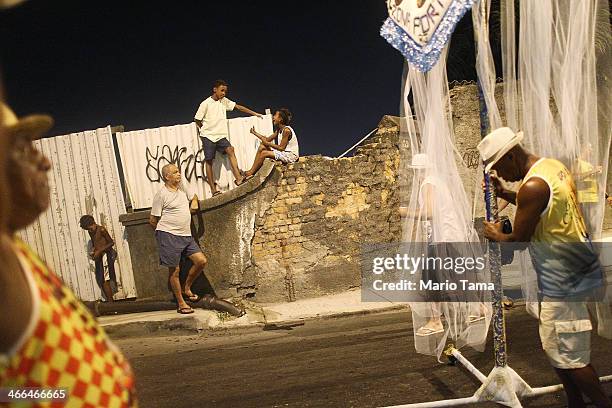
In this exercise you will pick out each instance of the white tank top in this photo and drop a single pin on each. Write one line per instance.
(292, 145)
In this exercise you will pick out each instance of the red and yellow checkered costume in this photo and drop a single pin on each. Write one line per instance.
(67, 349)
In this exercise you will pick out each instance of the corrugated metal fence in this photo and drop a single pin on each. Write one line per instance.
(84, 180)
(145, 152)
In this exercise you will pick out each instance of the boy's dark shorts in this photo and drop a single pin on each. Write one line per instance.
(210, 148)
(172, 247)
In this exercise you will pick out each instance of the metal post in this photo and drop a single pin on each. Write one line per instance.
(499, 327)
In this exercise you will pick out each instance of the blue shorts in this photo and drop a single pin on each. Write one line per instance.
(210, 148)
(173, 247)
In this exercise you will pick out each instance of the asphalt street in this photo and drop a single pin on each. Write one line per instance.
(359, 361)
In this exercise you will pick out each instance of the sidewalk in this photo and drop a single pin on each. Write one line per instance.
(261, 316)
(280, 315)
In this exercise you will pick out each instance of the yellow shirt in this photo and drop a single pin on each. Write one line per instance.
(562, 254)
(562, 219)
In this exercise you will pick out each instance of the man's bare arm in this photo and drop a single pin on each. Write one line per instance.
(260, 136)
(500, 191)
(247, 110)
(153, 220)
(533, 198)
(283, 143)
(423, 212)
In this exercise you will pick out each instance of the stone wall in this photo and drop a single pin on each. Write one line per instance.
(307, 241)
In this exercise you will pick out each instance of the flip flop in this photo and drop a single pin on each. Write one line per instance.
(216, 193)
(426, 331)
(474, 319)
(241, 183)
(184, 310)
(246, 178)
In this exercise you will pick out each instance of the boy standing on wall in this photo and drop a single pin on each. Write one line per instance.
(211, 120)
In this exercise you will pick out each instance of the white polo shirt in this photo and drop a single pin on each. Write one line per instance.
(213, 117)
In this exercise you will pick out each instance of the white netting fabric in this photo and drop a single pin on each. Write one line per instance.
(437, 212)
(565, 99)
(561, 95)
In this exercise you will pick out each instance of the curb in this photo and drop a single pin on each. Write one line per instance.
(207, 320)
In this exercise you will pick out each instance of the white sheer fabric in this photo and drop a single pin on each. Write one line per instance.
(438, 212)
(565, 109)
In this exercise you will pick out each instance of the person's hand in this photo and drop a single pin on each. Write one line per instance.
(91, 255)
(95, 255)
(259, 115)
(492, 230)
(253, 131)
(494, 183)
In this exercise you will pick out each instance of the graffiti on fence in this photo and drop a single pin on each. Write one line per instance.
(189, 164)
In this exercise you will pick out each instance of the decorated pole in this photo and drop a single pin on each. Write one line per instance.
(499, 325)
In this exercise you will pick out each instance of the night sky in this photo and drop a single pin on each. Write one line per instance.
(142, 65)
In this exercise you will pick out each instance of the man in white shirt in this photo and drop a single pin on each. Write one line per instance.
(211, 120)
(171, 218)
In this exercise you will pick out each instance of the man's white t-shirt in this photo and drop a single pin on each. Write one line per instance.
(214, 118)
(173, 209)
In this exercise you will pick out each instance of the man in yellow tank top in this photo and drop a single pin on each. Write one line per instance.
(549, 221)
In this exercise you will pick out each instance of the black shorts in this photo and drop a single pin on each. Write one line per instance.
(210, 148)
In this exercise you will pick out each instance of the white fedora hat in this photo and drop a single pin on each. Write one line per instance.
(420, 161)
(496, 144)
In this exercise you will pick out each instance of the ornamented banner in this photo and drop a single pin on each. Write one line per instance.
(420, 29)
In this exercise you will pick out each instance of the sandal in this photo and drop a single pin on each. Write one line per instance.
(216, 193)
(474, 318)
(184, 310)
(427, 331)
(241, 181)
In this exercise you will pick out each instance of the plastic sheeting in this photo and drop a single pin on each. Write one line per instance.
(144, 153)
(84, 179)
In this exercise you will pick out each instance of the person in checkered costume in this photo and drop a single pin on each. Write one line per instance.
(49, 339)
